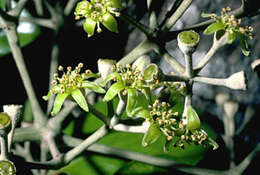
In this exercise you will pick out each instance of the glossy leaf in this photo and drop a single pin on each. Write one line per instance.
(214, 27)
(139, 168)
(93, 86)
(231, 37)
(110, 77)
(151, 135)
(114, 90)
(110, 22)
(53, 90)
(131, 100)
(27, 33)
(141, 112)
(89, 26)
(80, 99)
(58, 102)
(243, 44)
(2, 4)
(193, 119)
(115, 4)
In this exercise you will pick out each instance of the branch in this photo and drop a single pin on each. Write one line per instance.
(69, 7)
(172, 61)
(236, 81)
(128, 19)
(18, 8)
(142, 49)
(217, 43)
(176, 15)
(100, 133)
(39, 21)
(131, 155)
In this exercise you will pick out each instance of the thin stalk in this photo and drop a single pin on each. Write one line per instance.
(131, 155)
(53, 68)
(128, 19)
(176, 15)
(39, 116)
(100, 133)
(4, 148)
(119, 110)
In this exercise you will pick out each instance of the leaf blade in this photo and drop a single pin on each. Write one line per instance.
(80, 99)
(114, 90)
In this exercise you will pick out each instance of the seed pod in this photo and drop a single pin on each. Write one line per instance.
(188, 41)
(7, 167)
(5, 124)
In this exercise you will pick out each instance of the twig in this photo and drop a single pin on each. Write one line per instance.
(128, 19)
(176, 15)
(172, 61)
(69, 7)
(39, 21)
(18, 8)
(131, 155)
(100, 133)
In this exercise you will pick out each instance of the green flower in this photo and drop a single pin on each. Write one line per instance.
(165, 121)
(230, 24)
(96, 12)
(71, 85)
(130, 81)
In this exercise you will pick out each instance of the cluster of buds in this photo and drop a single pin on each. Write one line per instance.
(71, 79)
(172, 126)
(96, 12)
(130, 75)
(232, 23)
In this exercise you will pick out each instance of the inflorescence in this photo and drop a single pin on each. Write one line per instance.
(171, 125)
(71, 79)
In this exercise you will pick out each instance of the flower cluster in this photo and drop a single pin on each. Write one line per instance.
(72, 84)
(233, 26)
(96, 12)
(172, 126)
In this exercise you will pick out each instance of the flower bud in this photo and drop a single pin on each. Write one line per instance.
(188, 41)
(104, 67)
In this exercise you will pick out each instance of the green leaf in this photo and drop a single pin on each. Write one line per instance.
(93, 86)
(51, 92)
(2, 4)
(139, 168)
(141, 112)
(231, 37)
(111, 76)
(89, 26)
(80, 99)
(243, 44)
(27, 33)
(60, 98)
(193, 119)
(110, 22)
(114, 90)
(131, 100)
(151, 135)
(115, 4)
(212, 28)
